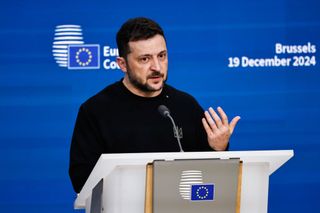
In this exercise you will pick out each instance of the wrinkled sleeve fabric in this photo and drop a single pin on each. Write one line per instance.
(85, 150)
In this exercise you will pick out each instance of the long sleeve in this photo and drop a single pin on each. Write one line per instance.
(86, 148)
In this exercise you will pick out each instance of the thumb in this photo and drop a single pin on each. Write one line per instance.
(233, 123)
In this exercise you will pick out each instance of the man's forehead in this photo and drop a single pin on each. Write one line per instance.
(152, 45)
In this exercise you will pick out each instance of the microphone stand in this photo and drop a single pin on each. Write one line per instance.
(176, 131)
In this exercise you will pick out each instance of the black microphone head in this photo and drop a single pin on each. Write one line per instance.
(164, 111)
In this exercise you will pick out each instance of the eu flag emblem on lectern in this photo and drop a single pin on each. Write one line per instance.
(85, 56)
(202, 192)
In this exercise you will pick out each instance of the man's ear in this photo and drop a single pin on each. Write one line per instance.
(122, 64)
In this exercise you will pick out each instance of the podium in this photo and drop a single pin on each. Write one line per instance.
(117, 182)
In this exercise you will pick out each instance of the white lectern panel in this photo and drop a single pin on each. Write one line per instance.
(124, 178)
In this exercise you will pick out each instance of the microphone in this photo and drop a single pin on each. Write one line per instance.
(164, 111)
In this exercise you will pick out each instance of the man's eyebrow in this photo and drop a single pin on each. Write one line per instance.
(144, 55)
(148, 54)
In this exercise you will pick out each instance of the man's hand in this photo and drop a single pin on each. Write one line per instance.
(218, 128)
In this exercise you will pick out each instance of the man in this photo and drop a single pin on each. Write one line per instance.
(124, 117)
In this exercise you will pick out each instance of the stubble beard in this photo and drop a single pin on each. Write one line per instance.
(145, 87)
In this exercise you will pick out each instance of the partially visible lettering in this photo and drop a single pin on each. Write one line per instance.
(108, 51)
(108, 64)
(111, 55)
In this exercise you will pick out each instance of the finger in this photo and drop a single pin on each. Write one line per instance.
(233, 123)
(223, 116)
(206, 126)
(216, 117)
(210, 121)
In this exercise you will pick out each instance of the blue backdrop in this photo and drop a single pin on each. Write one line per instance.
(209, 45)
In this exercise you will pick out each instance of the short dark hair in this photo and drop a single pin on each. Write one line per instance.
(136, 29)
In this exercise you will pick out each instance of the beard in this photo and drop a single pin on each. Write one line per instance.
(145, 87)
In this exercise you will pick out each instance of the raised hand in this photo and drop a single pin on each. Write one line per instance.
(218, 128)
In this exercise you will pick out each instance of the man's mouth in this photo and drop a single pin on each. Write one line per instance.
(155, 76)
(155, 73)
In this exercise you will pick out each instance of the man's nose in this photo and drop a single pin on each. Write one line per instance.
(155, 64)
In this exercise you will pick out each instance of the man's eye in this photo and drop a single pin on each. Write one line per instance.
(144, 59)
(162, 56)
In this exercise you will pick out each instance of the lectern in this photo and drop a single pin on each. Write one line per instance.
(117, 182)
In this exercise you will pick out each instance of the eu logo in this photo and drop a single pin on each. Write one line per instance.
(85, 56)
(202, 192)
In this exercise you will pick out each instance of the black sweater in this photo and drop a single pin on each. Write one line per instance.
(117, 121)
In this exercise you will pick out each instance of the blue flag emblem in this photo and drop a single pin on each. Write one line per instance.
(202, 192)
(85, 56)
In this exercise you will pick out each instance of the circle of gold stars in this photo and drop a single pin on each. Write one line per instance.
(88, 52)
(200, 189)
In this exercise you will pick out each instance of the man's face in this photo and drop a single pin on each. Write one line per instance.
(146, 66)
